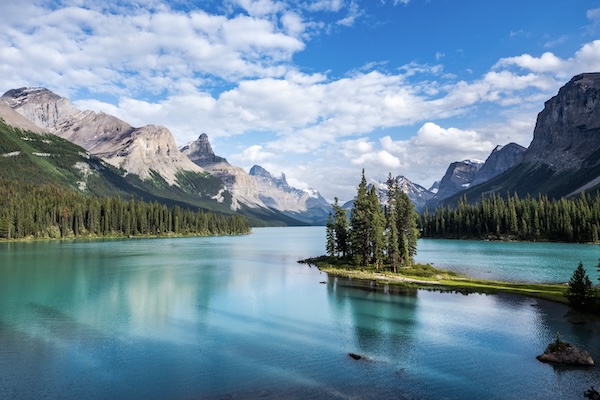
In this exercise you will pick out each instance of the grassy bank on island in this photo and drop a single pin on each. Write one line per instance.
(427, 277)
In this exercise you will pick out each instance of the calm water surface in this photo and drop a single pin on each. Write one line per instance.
(510, 261)
(237, 317)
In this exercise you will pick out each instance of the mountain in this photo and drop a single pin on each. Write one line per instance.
(435, 187)
(458, 177)
(144, 162)
(259, 189)
(417, 194)
(239, 183)
(149, 152)
(564, 156)
(303, 204)
(42, 158)
(501, 159)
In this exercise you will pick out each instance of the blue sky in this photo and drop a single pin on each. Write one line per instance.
(315, 89)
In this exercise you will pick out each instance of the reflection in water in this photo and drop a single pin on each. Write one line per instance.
(383, 316)
(238, 317)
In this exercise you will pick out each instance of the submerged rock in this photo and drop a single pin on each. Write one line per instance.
(566, 354)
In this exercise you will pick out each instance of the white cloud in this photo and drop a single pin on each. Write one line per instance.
(377, 160)
(586, 59)
(166, 67)
(546, 63)
(260, 7)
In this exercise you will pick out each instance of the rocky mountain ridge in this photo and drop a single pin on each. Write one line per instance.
(144, 151)
(149, 152)
(458, 177)
(567, 130)
(501, 159)
(259, 188)
(563, 158)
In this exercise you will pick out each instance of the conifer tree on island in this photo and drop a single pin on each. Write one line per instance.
(580, 292)
(374, 236)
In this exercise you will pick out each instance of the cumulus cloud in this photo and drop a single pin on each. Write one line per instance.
(587, 58)
(153, 64)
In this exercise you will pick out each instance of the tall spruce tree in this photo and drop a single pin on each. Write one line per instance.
(330, 235)
(377, 228)
(340, 220)
(580, 293)
(407, 228)
(393, 252)
(360, 225)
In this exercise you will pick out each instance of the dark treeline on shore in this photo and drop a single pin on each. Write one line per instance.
(574, 219)
(49, 211)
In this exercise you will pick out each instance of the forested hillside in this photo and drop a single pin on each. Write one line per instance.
(512, 218)
(49, 211)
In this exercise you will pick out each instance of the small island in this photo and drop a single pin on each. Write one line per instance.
(377, 243)
(560, 352)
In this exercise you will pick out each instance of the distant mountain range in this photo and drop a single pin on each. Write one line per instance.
(101, 154)
(193, 174)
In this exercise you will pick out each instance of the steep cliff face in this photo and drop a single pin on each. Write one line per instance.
(243, 187)
(142, 151)
(200, 152)
(501, 159)
(564, 156)
(458, 177)
(567, 131)
(14, 119)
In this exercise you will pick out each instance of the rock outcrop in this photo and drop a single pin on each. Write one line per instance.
(16, 120)
(458, 177)
(201, 153)
(567, 131)
(142, 151)
(566, 354)
(243, 187)
(501, 159)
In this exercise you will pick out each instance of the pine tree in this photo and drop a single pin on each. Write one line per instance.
(330, 234)
(580, 293)
(360, 224)
(407, 228)
(377, 228)
(340, 220)
(391, 224)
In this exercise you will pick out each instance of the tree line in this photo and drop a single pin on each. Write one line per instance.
(49, 211)
(574, 219)
(385, 237)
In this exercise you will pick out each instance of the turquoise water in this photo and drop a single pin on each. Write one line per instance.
(510, 261)
(238, 317)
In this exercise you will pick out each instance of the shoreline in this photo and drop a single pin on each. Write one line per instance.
(443, 280)
(115, 237)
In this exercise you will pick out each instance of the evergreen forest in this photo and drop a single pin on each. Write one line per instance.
(575, 219)
(50, 211)
(383, 237)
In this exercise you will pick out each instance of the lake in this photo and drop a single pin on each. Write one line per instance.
(238, 317)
